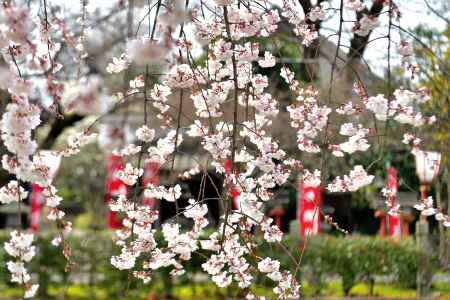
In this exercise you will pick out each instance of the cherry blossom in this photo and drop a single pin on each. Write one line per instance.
(20, 246)
(159, 93)
(426, 207)
(379, 106)
(181, 76)
(357, 179)
(18, 272)
(440, 217)
(366, 25)
(356, 141)
(347, 108)
(145, 134)
(118, 64)
(409, 138)
(306, 115)
(76, 141)
(173, 14)
(31, 291)
(12, 192)
(316, 13)
(356, 5)
(393, 207)
(130, 149)
(268, 265)
(406, 51)
(312, 179)
(136, 83)
(130, 175)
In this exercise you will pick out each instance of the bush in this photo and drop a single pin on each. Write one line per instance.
(353, 259)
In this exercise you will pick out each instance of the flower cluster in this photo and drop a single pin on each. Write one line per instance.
(307, 115)
(357, 179)
(138, 224)
(390, 194)
(20, 247)
(138, 221)
(170, 194)
(130, 175)
(356, 142)
(229, 262)
(30, 51)
(12, 192)
(303, 29)
(403, 107)
(76, 141)
(365, 25)
(145, 134)
(426, 208)
(317, 13)
(355, 5)
(16, 125)
(118, 64)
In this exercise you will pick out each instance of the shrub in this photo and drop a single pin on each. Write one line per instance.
(353, 259)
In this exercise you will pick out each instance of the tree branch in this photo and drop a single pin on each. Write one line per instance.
(308, 71)
(57, 128)
(358, 43)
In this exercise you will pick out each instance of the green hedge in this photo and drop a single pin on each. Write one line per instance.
(360, 259)
(352, 259)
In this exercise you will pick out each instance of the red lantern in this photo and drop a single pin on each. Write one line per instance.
(308, 210)
(53, 161)
(114, 187)
(394, 220)
(37, 199)
(234, 191)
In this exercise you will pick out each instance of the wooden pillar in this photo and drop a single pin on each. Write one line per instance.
(382, 231)
(406, 219)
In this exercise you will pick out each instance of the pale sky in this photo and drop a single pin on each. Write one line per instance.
(414, 12)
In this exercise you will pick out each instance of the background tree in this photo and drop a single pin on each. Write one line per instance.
(433, 54)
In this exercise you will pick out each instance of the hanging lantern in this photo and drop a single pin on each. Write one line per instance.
(427, 166)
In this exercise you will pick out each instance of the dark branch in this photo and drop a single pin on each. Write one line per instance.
(308, 70)
(358, 43)
(58, 127)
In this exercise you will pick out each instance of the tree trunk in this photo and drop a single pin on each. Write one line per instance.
(309, 68)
